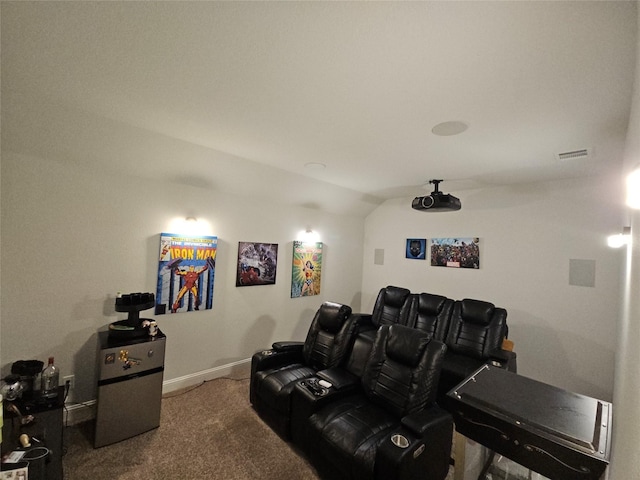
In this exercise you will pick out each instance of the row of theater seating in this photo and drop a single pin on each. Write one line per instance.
(360, 397)
(474, 331)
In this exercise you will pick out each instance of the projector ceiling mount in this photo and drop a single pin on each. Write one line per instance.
(436, 201)
(436, 183)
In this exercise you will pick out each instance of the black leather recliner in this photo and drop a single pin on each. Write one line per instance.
(475, 336)
(391, 307)
(275, 372)
(430, 313)
(390, 427)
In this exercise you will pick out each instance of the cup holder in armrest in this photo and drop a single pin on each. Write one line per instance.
(314, 387)
(267, 352)
(399, 441)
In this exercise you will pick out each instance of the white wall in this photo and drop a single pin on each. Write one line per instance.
(564, 334)
(625, 461)
(72, 238)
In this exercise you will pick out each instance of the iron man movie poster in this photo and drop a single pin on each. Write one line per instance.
(186, 272)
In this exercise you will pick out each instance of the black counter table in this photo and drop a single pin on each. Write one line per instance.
(45, 431)
(559, 434)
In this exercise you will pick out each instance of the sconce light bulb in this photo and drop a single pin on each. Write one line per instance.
(620, 239)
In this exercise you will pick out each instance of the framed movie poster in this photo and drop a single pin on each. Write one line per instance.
(257, 264)
(455, 252)
(307, 269)
(186, 271)
(416, 248)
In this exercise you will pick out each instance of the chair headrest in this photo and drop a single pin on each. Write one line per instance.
(395, 295)
(406, 345)
(429, 304)
(332, 316)
(477, 311)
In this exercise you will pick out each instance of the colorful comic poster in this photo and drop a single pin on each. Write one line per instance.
(307, 269)
(185, 273)
(257, 264)
(455, 252)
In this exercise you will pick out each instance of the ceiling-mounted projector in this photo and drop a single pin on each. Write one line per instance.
(437, 201)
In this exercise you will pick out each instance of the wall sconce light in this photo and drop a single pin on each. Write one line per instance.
(633, 188)
(190, 226)
(621, 239)
(309, 236)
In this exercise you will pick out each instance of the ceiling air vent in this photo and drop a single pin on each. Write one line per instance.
(574, 155)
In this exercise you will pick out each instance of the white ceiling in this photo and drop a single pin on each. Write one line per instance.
(244, 94)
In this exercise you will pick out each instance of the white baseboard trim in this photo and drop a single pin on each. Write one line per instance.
(79, 412)
(82, 412)
(239, 369)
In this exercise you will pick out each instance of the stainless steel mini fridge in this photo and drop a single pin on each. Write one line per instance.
(129, 386)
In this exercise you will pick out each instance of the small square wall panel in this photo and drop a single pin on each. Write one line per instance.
(582, 273)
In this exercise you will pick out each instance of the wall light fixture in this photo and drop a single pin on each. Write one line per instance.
(620, 239)
(309, 236)
(190, 226)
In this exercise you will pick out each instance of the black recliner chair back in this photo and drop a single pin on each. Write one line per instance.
(477, 328)
(392, 306)
(403, 371)
(327, 342)
(430, 313)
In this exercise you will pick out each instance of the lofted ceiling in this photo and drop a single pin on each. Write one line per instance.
(325, 104)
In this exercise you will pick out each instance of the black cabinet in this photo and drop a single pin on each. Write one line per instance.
(44, 431)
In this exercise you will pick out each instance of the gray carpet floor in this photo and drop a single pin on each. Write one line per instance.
(207, 432)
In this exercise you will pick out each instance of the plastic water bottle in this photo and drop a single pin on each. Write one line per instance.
(49, 380)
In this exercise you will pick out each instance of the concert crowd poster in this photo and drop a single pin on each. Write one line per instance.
(186, 271)
(455, 252)
(307, 269)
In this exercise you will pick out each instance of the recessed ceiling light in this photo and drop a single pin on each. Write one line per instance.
(446, 129)
(314, 166)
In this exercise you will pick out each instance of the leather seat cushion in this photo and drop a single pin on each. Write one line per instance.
(274, 387)
(350, 431)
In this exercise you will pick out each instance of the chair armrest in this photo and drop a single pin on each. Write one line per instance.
(339, 378)
(271, 360)
(429, 435)
(287, 346)
(307, 403)
(268, 359)
(420, 422)
(504, 359)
